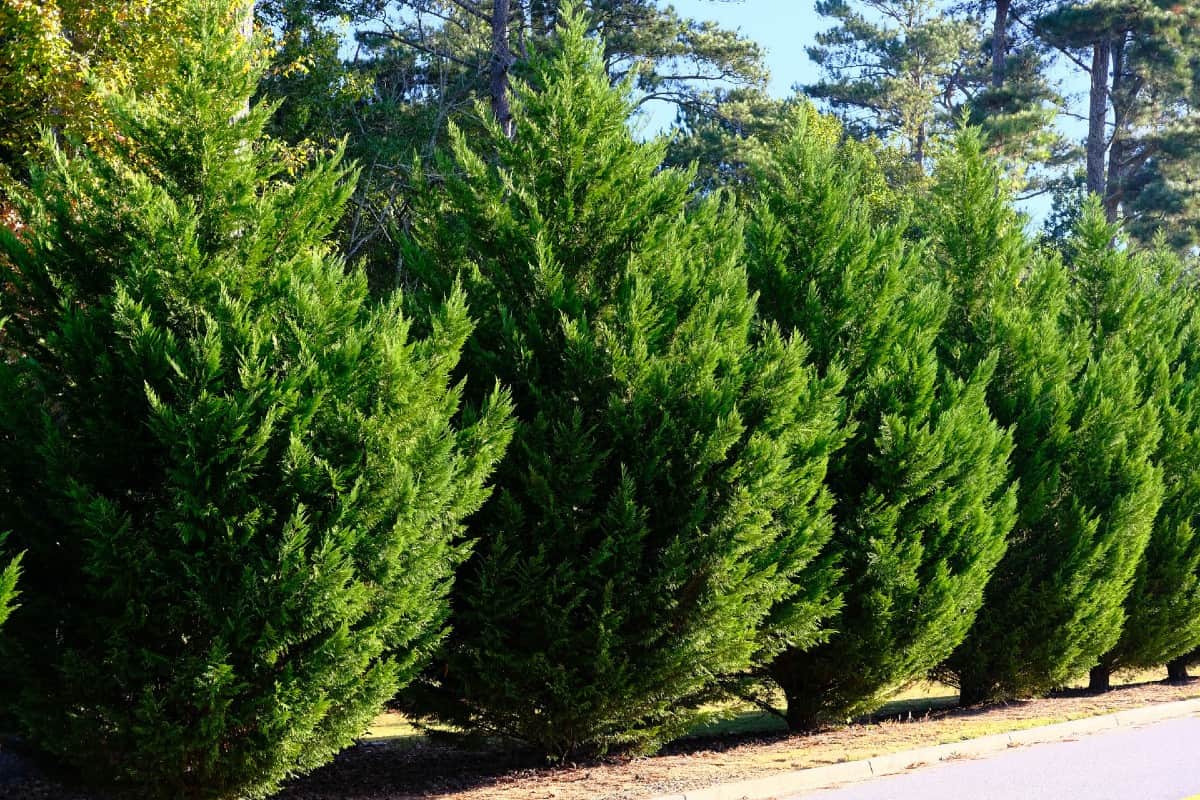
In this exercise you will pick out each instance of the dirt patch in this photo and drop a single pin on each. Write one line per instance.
(407, 767)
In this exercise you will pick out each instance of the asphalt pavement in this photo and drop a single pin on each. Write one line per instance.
(1160, 761)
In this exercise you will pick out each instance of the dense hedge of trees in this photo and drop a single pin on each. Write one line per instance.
(922, 504)
(607, 441)
(1084, 432)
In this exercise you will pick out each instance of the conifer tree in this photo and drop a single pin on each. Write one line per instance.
(922, 502)
(1013, 95)
(1142, 154)
(1146, 299)
(236, 480)
(664, 490)
(1084, 438)
(893, 68)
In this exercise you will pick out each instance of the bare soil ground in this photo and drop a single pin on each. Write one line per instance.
(406, 767)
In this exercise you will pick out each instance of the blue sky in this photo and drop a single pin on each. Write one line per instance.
(783, 27)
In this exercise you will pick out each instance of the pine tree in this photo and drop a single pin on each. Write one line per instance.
(922, 502)
(1013, 93)
(236, 480)
(717, 139)
(1084, 438)
(665, 486)
(420, 63)
(1145, 298)
(722, 144)
(892, 68)
(1143, 108)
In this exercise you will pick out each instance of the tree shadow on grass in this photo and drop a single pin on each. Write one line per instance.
(421, 767)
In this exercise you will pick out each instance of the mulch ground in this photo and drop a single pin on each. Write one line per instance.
(411, 769)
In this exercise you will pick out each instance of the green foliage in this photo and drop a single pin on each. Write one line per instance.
(922, 503)
(56, 55)
(1148, 300)
(1084, 433)
(8, 586)
(724, 142)
(236, 479)
(419, 64)
(889, 67)
(1145, 144)
(664, 491)
(720, 138)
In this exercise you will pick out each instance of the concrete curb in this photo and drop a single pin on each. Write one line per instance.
(806, 780)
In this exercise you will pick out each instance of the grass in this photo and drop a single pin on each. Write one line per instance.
(393, 726)
(742, 720)
(746, 744)
(917, 700)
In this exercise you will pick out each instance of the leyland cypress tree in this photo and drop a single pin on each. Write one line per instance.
(922, 503)
(1145, 298)
(1084, 438)
(664, 490)
(236, 479)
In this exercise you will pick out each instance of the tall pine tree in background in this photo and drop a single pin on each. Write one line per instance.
(922, 503)
(893, 68)
(664, 491)
(1013, 94)
(1142, 148)
(1147, 300)
(722, 145)
(1084, 434)
(236, 479)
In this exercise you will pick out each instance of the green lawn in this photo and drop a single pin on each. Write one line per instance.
(741, 719)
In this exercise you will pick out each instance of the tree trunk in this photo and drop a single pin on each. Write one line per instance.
(1000, 42)
(1100, 679)
(522, 23)
(804, 700)
(1097, 140)
(1115, 183)
(919, 144)
(246, 27)
(973, 693)
(970, 696)
(1177, 670)
(805, 713)
(502, 61)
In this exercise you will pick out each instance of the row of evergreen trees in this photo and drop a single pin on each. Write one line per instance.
(618, 449)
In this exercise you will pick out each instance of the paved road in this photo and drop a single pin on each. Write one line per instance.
(1154, 762)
